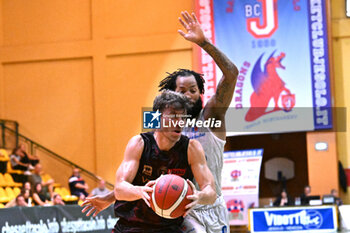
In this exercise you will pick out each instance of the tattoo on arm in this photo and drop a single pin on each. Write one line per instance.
(224, 63)
(221, 91)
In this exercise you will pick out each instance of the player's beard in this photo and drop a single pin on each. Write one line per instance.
(196, 108)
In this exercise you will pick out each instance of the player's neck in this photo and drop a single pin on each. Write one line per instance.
(163, 142)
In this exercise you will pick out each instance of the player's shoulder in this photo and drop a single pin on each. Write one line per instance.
(194, 142)
(195, 152)
(194, 145)
(136, 142)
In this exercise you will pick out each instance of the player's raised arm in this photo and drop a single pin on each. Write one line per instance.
(124, 190)
(219, 103)
(202, 174)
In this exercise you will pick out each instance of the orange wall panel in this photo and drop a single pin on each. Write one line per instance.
(42, 21)
(53, 103)
(139, 18)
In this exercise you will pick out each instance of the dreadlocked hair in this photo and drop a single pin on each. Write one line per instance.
(169, 82)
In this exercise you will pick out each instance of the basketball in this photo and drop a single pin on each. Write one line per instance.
(169, 196)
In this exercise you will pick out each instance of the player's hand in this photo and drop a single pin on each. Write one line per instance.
(194, 32)
(194, 197)
(146, 191)
(95, 205)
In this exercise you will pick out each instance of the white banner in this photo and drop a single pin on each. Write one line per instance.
(240, 183)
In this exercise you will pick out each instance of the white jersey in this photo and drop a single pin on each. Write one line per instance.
(213, 148)
(208, 218)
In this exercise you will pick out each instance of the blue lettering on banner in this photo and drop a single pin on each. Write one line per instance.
(298, 219)
(320, 64)
(243, 153)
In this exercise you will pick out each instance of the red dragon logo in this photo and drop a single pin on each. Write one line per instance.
(268, 85)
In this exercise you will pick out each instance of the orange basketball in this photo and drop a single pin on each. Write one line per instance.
(169, 196)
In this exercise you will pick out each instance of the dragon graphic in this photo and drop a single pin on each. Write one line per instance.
(268, 85)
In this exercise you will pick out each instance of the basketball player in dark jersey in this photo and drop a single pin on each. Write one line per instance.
(149, 155)
(212, 139)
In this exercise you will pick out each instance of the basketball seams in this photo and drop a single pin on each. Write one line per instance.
(177, 197)
(157, 209)
(166, 191)
(155, 206)
(167, 213)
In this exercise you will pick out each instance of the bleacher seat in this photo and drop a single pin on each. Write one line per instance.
(4, 155)
(13, 171)
(65, 194)
(46, 177)
(10, 182)
(3, 196)
(17, 191)
(2, 180)
(10, 193)
(17, 175)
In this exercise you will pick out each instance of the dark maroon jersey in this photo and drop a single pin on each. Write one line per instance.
(136, 216)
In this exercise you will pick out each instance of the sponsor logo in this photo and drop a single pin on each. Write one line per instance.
(310, 219)
(177, 171)
(235, 208)
(235, 174)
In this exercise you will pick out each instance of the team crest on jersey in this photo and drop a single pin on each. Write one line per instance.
(147, 170)
(269, 88)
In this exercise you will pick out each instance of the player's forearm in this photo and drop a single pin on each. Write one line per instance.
(227, 67)
(110, 197)
(125, 191)
(207, 195)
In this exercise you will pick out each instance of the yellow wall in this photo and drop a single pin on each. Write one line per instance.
(341, 55)
(75, 74)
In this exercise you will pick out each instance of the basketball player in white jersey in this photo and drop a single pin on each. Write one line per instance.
(211, 218)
